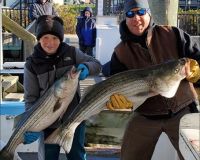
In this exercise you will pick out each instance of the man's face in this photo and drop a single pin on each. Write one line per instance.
(138, 23)
(49, 43)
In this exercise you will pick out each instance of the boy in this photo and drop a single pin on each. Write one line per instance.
(51, 58)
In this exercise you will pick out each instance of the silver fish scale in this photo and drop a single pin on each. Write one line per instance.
(133, 84)
(95, 101)
(88, 82)
(17, 137)
(42, 108)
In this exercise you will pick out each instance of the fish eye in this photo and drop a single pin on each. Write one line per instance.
(176, 70)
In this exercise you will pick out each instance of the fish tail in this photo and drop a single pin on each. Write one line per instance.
(65, 141)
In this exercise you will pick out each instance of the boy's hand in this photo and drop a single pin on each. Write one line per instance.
(84, 71)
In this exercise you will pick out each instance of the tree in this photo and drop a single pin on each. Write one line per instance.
(164, 11)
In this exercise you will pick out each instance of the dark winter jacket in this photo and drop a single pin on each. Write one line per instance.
(41, 71)
(38, 9)
(157, 45)
(86, 29)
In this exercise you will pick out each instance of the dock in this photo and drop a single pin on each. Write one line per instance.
(103, 135)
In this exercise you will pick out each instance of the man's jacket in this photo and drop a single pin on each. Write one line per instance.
(38, 9)
(157, 45)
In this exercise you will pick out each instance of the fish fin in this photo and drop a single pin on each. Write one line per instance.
(142, 94)
(64, 140)
(87, 90)
(61, 116)
(67, 142)
(57, 106)
(17, 119)
(147, 94)
(54, 138)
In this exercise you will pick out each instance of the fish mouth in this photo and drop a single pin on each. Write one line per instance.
(185, 69)
(73, 72)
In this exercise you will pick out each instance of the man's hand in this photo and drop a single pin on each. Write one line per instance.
(193, 74)
(118, 101)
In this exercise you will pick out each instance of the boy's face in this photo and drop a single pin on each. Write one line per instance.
(49, 43)
(87, 14)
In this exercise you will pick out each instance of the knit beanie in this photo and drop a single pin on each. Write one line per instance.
(48, 24)
(130, 4)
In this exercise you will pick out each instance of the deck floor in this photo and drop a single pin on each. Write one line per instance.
(33, 156)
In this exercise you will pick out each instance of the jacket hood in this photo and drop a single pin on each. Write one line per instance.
(89, 10)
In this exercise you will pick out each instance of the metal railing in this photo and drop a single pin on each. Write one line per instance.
(189, 23)
(18, 15)
(189, 4)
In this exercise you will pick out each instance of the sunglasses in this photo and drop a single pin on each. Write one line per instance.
(139, 12)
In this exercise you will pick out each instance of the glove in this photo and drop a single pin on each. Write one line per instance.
(30, 137)
(194, 71)
(118, 101)
(84, 71)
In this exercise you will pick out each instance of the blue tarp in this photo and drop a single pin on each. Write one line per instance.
(11, 108)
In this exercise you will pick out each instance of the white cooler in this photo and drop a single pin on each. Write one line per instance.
(189, 141)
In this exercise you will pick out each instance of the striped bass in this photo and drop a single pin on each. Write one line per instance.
(44, 112)
(136, 85)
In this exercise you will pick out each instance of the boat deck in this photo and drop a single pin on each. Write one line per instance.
(33, 156)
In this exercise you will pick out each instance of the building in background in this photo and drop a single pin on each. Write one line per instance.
(184, 4)
(189, 4)
(60, 2)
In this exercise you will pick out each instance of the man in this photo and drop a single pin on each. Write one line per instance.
(41, 7)
(86, 31)
(143, 44)
(51, 58)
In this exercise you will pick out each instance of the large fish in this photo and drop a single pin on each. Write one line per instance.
(137, 85)
(45, 111)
